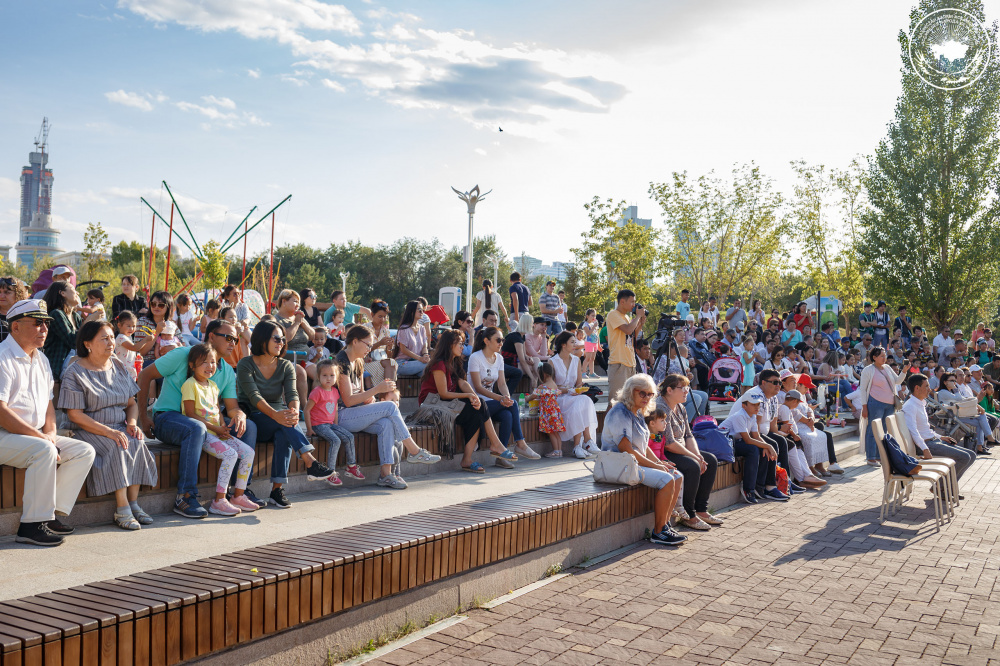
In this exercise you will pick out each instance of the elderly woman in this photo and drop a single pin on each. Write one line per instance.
(625, 431)
(62, 301)
(360, 413)
(680, 448)
(578, 410)
(265, 383)
(412, 341)
(378, 365)
(298, 333)
(12, 290)
(98, 395)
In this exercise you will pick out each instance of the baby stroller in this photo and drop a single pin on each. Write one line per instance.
(724, 379)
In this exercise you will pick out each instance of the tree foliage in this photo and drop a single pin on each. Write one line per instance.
(930, 238)
(721, 235)
(96, 245)
(614, 255)
(215, 265)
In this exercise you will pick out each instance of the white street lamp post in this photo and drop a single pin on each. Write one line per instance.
(343, 281)
(471, 198)
(495, 260)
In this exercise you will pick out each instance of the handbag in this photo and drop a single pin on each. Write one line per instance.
(615, 467)
(897, 404)
(453, 406)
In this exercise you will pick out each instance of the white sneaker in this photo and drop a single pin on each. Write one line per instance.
(835, 468)
(592, 447)
(579, 452)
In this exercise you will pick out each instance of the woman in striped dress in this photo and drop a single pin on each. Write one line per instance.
(98, 395)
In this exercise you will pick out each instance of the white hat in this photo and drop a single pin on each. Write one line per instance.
(61, 270)
(31, 307)
(690, 317)
(753, 397)
(975, 368)
(169, 327)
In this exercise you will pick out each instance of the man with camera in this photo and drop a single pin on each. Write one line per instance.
(623, 323)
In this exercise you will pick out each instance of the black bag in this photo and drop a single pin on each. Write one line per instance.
(593, 392)
(899, 462)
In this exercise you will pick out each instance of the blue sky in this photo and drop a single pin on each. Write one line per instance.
(368, 112)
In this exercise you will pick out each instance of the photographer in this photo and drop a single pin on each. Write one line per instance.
(623, 323)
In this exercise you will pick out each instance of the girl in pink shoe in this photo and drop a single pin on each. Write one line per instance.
(200, 397)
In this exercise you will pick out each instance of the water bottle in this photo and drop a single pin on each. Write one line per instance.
(520, 403)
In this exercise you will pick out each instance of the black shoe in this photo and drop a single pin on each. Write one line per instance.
(59, 528)
(279, 499)
(666, 538)
(253, 498)
(318, 471)
(37, 534)
(748, 497)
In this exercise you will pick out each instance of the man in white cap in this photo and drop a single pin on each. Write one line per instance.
(56, 466)
(59, 274)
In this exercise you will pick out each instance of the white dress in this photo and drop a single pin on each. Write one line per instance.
(579, 412)
(813, 441)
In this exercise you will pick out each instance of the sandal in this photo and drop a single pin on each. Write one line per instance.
(475, 468)
(127, 521)
(506, 455)
(142, 517)
(557, 453)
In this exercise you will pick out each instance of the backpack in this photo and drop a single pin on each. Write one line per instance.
(899, 462)
(713, 440)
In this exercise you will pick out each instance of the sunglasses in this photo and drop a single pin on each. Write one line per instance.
(771, 381)
(157, 305)
(233, 338)
(646, 394)
(279, 339)
(10, 282)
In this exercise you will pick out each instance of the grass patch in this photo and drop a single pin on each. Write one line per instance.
(373, 644)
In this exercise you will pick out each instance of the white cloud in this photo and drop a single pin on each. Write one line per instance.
(224, 102)
(9, 188)
(288, 78)
(134, 100)
(333, 85)
(480, 151)
(253, 73)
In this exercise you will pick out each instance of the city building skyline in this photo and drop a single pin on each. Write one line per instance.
(37, 237)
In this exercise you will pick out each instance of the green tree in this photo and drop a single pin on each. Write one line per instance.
(215, 266)
(825, 207)
(930, 239)
(96, 247)
(125, 253)
(719, 235)
(615, 254)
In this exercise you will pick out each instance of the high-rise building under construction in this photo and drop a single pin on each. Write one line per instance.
(38, 238)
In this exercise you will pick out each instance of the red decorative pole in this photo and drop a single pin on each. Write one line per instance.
(270, 269)
(243, 279)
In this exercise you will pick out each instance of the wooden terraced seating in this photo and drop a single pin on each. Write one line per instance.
(189, 610)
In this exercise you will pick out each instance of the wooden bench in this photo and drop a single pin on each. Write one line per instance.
(188, 610)
(409, 387)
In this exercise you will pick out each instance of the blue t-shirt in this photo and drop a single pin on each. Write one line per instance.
(173, 366)
(683, 309)
(620, 423)
(523, 297)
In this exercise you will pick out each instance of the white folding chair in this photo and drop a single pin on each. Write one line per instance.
(896, 484)
(897, 426)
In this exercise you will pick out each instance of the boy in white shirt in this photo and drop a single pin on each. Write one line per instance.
(759, 457)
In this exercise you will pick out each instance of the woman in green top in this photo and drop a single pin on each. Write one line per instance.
(62, 301)
(988, 403)
(265, 388)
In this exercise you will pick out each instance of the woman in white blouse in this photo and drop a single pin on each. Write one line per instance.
(578, 410)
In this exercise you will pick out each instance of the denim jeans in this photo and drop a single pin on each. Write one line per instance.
(509, 421)
(695, 404)
(382, 419)
(757, 470)
(963, 457)
(780, 444)
(513, 376)
(189, 434)
(880, 339)
(410, 368)
(285, 438)
(876, 410)
(555, 327)
(336, 435)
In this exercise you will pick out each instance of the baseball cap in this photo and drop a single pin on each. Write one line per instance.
(804, 380)
(958, 331)
(61, 270)
(793, 395)
(30, 307)
(983, 341)
(975, 368)
(690, 317)
(754, 397)
(868, 305)
(785, 374)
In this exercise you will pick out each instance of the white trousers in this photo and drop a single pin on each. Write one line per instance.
(797, 461)
(49, 486)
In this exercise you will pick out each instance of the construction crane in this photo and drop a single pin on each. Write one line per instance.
(40, 141)
(43, 136)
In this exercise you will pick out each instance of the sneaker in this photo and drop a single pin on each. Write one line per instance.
(592, 447)
(759, 493)
(189, 507)
(391, 481)
(58, 528)
(795, 488)
(37, 534)
(748, 498)
(835, 469)
(504, 463)
(250, 495)
(579, 452)
(223, 507)
(335, 480)
(424, 457)
(354, 472)
(667, 538)
(244, 503)
(279, 499)
(318, 472)
(775, 495)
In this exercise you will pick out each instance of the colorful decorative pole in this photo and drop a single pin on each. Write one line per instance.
(170, 241)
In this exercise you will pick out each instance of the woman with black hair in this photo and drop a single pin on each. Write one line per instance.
(412, 342)
(579, 413)
(149, 326)
(377, 362)
(266, 390)
(445, 379)
(487, 299)
(62, 300)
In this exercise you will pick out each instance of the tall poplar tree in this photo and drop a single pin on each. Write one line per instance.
(930, 238)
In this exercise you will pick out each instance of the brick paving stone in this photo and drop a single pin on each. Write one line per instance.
(814, 581)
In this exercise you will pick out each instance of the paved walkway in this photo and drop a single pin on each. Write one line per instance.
(814, 581)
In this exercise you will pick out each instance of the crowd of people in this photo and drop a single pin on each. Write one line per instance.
(219, 380)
